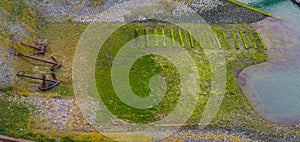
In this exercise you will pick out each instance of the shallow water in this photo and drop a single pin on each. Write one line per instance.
(275, 92)
(273, 89)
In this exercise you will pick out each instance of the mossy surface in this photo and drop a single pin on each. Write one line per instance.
(235, 110)
(145, 68)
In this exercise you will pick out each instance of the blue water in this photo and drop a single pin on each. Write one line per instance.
(287, 9)
(274, 90)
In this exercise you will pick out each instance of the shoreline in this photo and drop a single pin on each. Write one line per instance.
(281, 57)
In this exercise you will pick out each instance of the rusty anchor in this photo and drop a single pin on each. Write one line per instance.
(43, 87)
(41, 49)
(55, 64)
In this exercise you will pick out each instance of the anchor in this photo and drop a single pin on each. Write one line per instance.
(43, 87)
(41, 49)
(55, 64)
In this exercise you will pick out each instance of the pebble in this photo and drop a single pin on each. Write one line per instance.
(18, 31)
(6, 71)
(52, 10)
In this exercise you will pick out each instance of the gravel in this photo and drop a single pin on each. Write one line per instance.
(6, 57)
(54, 113)
(6, 70)
(229, 13)
(64, 114)
(70, 10)
(75, 10)
(18, 31)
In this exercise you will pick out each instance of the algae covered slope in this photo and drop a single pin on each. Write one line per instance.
(55, 115)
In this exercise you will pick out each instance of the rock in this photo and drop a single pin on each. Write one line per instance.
(42, 42)
(18, 31)
(6, 71)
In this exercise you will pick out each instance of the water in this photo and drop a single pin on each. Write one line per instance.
(274, 89)
(286, 9)
(275, 92)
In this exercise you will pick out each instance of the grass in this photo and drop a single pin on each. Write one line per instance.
(13, 117)
(142, 71)
(235, 110)
(7, 89)
(95, 3)
(88, 137)
(62, 40)
(60, 45)
(140, 74)
(17, 11)
(146, 67)
(234, 107)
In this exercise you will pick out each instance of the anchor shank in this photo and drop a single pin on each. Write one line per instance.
(38, 59)
(37, 78)
(35, 47)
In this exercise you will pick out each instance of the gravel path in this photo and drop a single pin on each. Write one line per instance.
(78, 10)
(213, 11)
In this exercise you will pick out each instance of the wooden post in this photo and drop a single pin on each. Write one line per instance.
(235, 41)
(217, 39)
(146, 31)
(252, 40)
(261, 41)
(244, 40)
(209, 40)
(225, 38)
(136, 34)
(172, 37)
(180, 38)
(164, 37)
(156, 37)
(192, 44)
